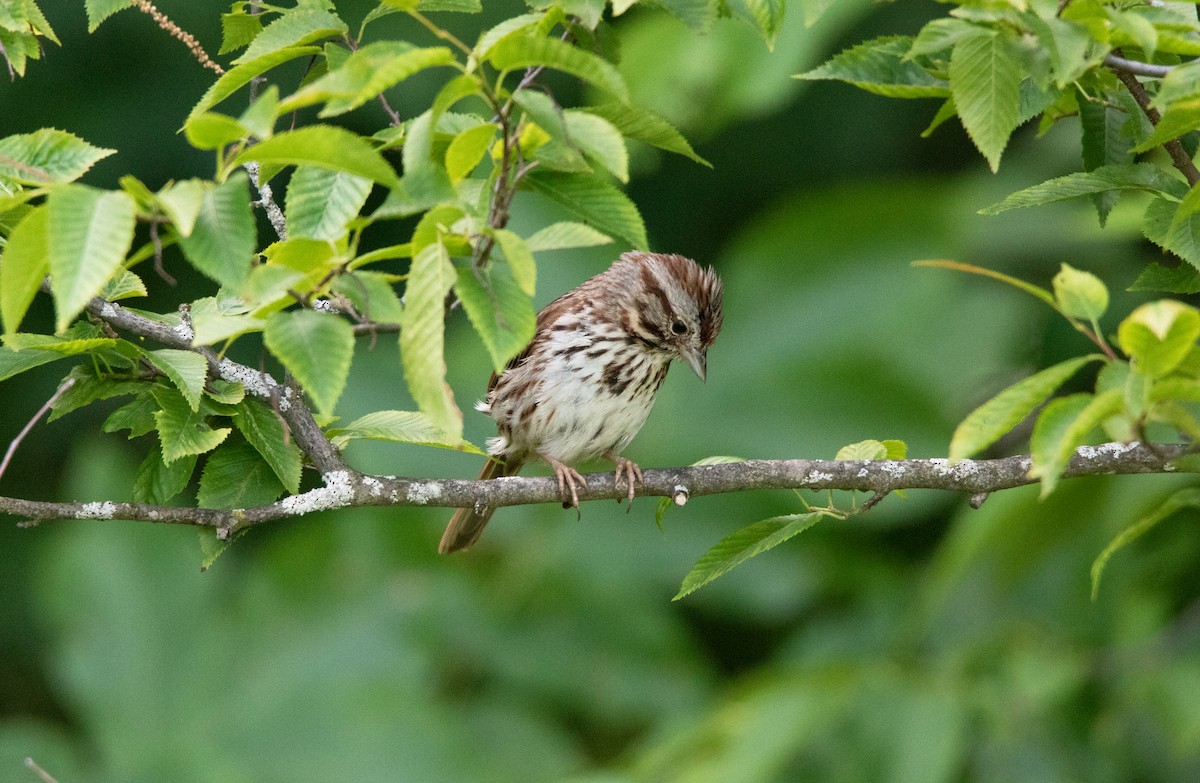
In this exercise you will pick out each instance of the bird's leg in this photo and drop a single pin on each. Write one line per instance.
(630, 470)
(567, 478)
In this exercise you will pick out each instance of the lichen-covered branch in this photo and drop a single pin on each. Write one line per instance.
(346, 489)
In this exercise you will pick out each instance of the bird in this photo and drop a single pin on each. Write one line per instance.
(585, 384)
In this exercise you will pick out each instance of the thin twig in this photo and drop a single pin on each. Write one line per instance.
(266, 199)
(12, 447)
(1118, 63)
(188, 40)
(1179, 155)
(41, 773)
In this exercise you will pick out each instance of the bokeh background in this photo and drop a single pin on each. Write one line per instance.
(921, 642)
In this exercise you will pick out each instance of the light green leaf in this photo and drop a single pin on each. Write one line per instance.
(182, 431)
(372, 294)
(225, 392)
(502, 313)
(467, 149)
(212, 131)
(565, 235)
(767, 16)
(1180, 117)
(422, 338)
(235, 476)
(188, 370)
(526, 50)
(125, 285)
(259, 117)
(594, 201)
(985, 79)
(505, 29)
(293, 28)
(1062, 427)
(878, 66)
(238, 77)
(366, 74)
(67, 345)
(215, 319)
(398, 427)
(599, 140)
(1132, 176)
(1080, 294)
(519, 258)
(323, 146)
(23, 266)
(990, 421)
(737, 548)
(158, 482)
(89, 232)
(646, 127)
(1188, 497)
(1157, 336)
(182, 202)
(424, 180)
(264, 430)
(696, 14)
(47, 156)
(864, 449)
(224, 236)
(238, 29)
(99, 10)
(315, 347)
(321, 202)
(940, 35)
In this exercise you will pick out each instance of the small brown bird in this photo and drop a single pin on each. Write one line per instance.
(585, 384)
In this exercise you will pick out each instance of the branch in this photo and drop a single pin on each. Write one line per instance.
(345, 489)
(1118, 63)
(1179, 155)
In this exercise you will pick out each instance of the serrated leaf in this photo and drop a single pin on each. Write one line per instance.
(238, 29)
(1181, 237)
(238, 77)
(1181, 279)
(123, 286)
(182, 431)
(1103, 144)
(594, 201)
(425, 181)
(985, 78)
(599, 141)
(422, 338)
(526, 50)
(1179, 118)
(768, 18)
(1080, 294)
(23, 266)
(182, 201)
(502, 314)
(1188, 497)
(137, 416)
(864, 449)
(398, 427)
(372, 295)
(646, 127)
(216, 319)
(1062, 427)
(264, 430)
(47, 156)
(366, 74)
(323, 146)
(157, 482)
(1157, 336)
(64, 346)
(737, 548)
(467, 149)
(321, 202)
(99, 10)
(16, 362)
(224, 236)
(291, 29)
(520, 259)
(1133, 176)
(188, 370)
(235, 476)
(565, 235)
(316, 348)
(878, 66)
(940, 35)
(990, 421)
(89, 232)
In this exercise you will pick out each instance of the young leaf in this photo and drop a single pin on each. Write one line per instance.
(985, 78)
(188, 370)
(315, 347)
(737, 548)
(398, 427)
(467, 149)
(124, 285)
(566, 235)
(321, 202)
(235, 476)
(1132, 176)
(1188, 497)
(157, 482)
(365, 74)
(879, 66)
(1062, 427)
(47, 156)
(23, 266)
(990, 421)
(99, 10)
(89, 232)
(502, 313)
(182, 202)
(293, 28)
(519, 258)
(263, 429)
(1080, 294)
(864, 449)
(939, 35)
(238, 29)
(1158, 335)
(595, 202)
(236, 78)
(767, 16)
(424, 179)
(182, 431)
(422, 338)
(323, 146)
(224, 236)
(529, 50)
(646, 127)
(372, 294)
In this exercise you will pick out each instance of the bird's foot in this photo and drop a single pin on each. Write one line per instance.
(568, 480)
(630, 470)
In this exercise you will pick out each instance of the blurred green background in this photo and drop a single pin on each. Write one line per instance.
(922, 642)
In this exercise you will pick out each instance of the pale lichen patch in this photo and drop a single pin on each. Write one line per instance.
(104, 510)
(421, 492)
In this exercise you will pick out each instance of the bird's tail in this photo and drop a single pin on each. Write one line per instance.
(467, 523)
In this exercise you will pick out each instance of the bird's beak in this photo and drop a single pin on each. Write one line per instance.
(698, 361)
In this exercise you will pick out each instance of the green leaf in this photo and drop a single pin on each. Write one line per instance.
(372, 294)
(99, 10)
(424, 180)
(137, 416)
(768, 18)
(599, 141)
(188, 370)
(157, 482)
(89, 232)
(366, 74)
(1080, 294)
(467, 149)
(323, 146)
(235, 476)
(215, 319)
(737, 548)
(398, 427)
(1162, 226)
(1180, 118)
(1188, 497)
(520, 259)
(182, 431)
(1103, 144)
(985, 79)
(646, 127)
(939, 35)
(528, 50)
(1062, 427)
(696, 14)
(47, 156)
(182, 202)
(238, 77)
(16, 362)
(264, 430)
(238, 29)
(123, 286)
(1157, 336)
(864, 449)
(212, 131)
(1180, 279)
(23, 266)
(317, 349)
(566, 235)
(422, 338)
(594, 201)
(502, 313)
(879, 66)
(224, 237)
(990, 421)
(293, 28)
(1132, 176)
(320, 202)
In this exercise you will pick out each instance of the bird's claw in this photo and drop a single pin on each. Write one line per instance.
(567, 478)
(631, 471)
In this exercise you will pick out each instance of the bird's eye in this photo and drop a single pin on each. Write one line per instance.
(679, 327)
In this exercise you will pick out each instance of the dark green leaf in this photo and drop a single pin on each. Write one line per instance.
(235, 476)
(879, 66)
(315, 347)
(1189, 497)
(264, 430)
(157, 482)
(594, 201)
